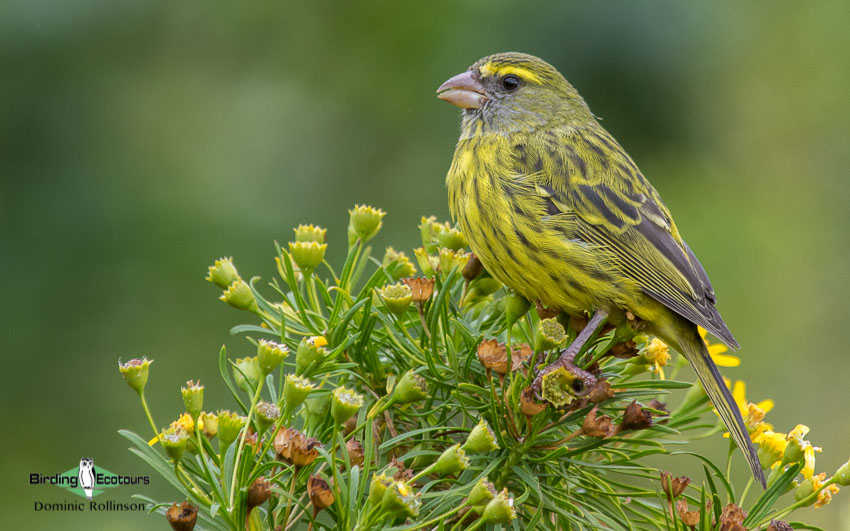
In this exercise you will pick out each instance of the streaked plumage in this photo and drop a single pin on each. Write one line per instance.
(558, 211)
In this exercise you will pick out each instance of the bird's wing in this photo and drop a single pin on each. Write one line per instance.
(588, 175)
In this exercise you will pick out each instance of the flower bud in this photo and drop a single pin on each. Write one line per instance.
(550, 333)
(481, 439)
(247, 373)
(377, 488)
(317, 408)
(209, 421)
(320, 493)
(770, 447)
(516, 306)
(356, 456)
(397, 264)
(421, 288)
(229, 426)
(310, 233)
(364, 222)
(307, 255)
(430, 230)
(480, 288)
(807, 488)
(500, 510)
(223, 273)
(135, 373)
(295, 448)
(796, 448)
(267, 414)
(295, 391)
(473, 268)
(174, 441)
(451, 238)
(400, 501)
(427, 263)
(450, 260)
(258, 493)
(270, 355)
(481, 494)
(397, 298)
(452, 461)
(344, 404)
(240, 296)
(410, 388)
(193, 398)
(310, 351)
(842, 475)
(182, 518)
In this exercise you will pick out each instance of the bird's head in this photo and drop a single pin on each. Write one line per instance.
(514, 91)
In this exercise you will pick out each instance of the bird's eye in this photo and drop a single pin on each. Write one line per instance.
(510, 82)
(577, 386)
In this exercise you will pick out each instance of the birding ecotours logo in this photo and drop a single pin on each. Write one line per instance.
(87, 480)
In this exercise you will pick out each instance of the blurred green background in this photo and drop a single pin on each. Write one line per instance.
(142, 140)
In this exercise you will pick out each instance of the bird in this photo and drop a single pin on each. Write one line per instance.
(86, 475)
(555, 209)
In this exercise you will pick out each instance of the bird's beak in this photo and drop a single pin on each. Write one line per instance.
(463, 90)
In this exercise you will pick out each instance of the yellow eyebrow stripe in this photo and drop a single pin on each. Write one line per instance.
(488, 69)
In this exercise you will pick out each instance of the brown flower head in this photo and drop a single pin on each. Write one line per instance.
(493, 355)
(635, 418)
(546, 313)
(600, 391)
(182, 518)
(624, 350)
(259, 492)
(673, 486)
(320, 493)
(528, 404)
(355, 452)
(295, 448)
(421, 287)
(597, 426)
(779, 525)
(402, 474)
(473, 268)
(689, 518)
(732, 518)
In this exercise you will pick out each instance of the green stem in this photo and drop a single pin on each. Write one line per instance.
(805, 502)
(435, 519)
(242, 441)
(291, 495)
(746, 490)
(206, 468)
(148, 413)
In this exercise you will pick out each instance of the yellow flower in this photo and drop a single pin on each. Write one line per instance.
(717, 351)
(771, 447)
(319, 341)
(753, 414)
(657, 355)
(800, 449)
(184, 423)
(825, 495)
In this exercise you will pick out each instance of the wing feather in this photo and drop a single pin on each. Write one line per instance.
(617, 209)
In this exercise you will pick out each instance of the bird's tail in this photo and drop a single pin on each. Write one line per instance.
(697, 354)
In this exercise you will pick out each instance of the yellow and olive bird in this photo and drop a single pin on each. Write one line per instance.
(556, 210)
